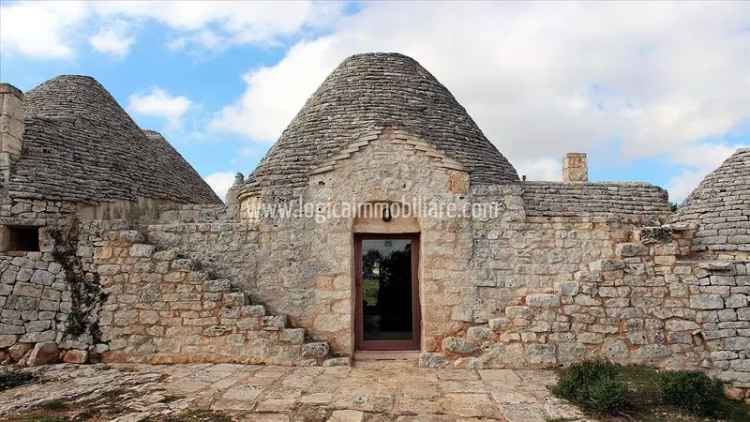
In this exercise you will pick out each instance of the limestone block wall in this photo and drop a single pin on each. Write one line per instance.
(34, 300)
(161, 307)
(594, 289)
(215, 240)
(36, 212)
(305, 264)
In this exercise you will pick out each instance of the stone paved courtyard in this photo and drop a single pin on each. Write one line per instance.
(370, 391)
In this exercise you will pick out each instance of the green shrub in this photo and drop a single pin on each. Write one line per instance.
(604, 387)
(595, 385)
(692, 391)
(607, 395)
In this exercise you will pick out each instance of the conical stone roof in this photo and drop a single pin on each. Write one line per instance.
(720, 207)
(378, 90)
(80, 145)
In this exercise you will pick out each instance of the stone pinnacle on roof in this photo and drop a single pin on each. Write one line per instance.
(374, 90)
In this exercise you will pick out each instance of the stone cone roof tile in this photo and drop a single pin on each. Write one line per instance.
(369, 92)
(720, 207)
(80, 145)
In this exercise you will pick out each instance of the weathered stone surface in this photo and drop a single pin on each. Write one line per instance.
(433, 360)
(7, 341)
(75, 356)
(43, 353)
(681, 325)
(142, 250)
(631, 249)
(707, 301)
(542, 299)
(316, 350)
(458, 345)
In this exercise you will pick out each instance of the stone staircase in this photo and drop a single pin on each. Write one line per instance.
(189, 315)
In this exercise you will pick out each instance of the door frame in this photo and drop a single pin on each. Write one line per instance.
(406, 345)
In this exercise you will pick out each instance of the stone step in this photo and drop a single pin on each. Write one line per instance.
(274, 322)
(317, 350)
(338, 361)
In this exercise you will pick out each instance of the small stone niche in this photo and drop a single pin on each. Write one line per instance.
(19, 238)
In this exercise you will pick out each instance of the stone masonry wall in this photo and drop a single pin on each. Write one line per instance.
(35, 302)
(570, 290)
(38, 303)
(162, 308)
(218, 243)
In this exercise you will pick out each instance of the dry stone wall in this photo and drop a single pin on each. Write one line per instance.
(41, 304)
(162, 308)
(213, 238)
(571, 290)
(558, 274)
(35, 302)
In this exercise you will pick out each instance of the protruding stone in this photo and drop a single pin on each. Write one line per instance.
(18, 351)
(42, 354)
(478, 334)
(315, 350)
(76, 356)
(458, 345)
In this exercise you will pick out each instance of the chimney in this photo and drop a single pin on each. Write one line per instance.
(11, 125)
(575, 169)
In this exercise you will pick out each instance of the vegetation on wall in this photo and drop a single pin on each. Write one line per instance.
(87, 295)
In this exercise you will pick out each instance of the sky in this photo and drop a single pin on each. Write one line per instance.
(654, 92)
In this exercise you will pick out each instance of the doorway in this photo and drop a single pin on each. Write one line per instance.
(387, 292)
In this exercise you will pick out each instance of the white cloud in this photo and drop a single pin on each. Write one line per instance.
(114, 39)
(541, 79)
(549, 169)
(159, 103)
(222, 23)
(277, 93)
(220, 182)
(53, 29)
(40, 29)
